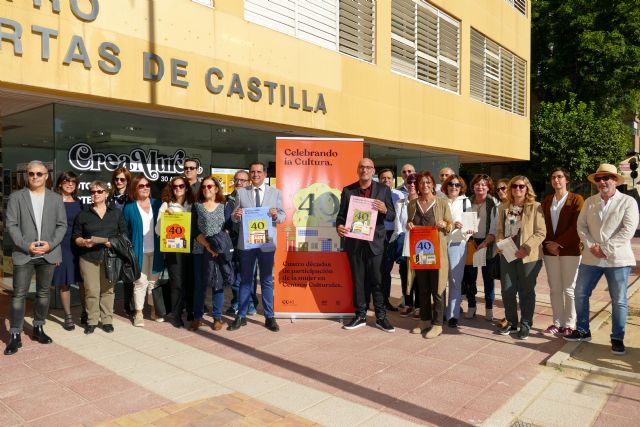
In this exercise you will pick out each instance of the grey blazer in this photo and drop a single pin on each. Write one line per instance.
(21, 225)
(272, 199)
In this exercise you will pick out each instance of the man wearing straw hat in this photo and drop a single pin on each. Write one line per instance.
(606, 224)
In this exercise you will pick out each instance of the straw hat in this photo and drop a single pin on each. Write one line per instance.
(607, 169)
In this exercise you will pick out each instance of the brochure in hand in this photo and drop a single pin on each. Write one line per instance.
(361, 218)
(258, 228)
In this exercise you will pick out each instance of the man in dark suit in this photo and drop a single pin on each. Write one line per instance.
(365, 257)
(37, 222)
(258, 194)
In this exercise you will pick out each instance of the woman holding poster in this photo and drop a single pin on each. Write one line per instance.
(428, 210)
(177, 197)
(207, 219)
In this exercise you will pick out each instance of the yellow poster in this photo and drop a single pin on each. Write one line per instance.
(175, 232)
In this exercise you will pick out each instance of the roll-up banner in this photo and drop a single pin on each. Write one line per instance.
(312, 274)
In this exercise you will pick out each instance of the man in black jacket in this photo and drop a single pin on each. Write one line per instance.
(365, 257)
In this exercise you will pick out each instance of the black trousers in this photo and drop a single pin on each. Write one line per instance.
(387, 266)
(365, 270)
(177, 265)
(427, 282)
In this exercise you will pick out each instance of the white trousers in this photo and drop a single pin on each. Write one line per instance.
(561, 274)
(143, 286)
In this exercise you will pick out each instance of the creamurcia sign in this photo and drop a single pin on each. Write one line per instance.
(217, 81)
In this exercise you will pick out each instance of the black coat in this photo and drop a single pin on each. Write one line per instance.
(218, 271)
(120, 260)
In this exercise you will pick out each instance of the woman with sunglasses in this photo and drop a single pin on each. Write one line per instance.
(522, 220)
(119, 196)
(501, 190)
(400, 236)
(99, 220)
(454, 188)
(430, 210)
(141, 215)
(68, 271)
(487, 209)
(177, 197)
(207, 220)
(562, 251)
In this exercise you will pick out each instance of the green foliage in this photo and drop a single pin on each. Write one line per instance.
(587, 47)
(573, 135)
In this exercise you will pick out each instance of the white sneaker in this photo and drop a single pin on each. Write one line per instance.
(138, 320)
(471, 313)
(489, 315)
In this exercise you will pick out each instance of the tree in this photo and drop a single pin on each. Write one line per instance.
(573, 135)
(587, 47)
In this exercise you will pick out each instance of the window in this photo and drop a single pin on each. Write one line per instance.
(347, 26)
(425, 43)
(498, 77)
(519, 5)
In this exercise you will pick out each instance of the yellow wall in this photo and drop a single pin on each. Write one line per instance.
(362, 99)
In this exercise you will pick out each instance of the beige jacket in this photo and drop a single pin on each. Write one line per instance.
(532, 233)
(613, 234)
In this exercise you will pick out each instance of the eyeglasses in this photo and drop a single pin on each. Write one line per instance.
(190, 168)
(411, 183)
(117, 179)
(209, 186)
(518, 186)
(240, 180)
(96, 192)
(454, 184)
(602, 178)
(69, 181)
(366, 167)
(408, 171)
(426, 182)
(502, 188)
(178, 186)
(141, 186)
(38, 174)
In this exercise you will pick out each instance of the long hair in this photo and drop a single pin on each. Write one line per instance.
(167, 192)
(445, 185)
(219, 196)
(133, 185)
(67, 176)
(530, 197)
(421, 176)
(117, 172)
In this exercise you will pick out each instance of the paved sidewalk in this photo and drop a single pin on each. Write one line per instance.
(312, 371)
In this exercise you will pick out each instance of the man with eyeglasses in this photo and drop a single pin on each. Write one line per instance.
(405, 171)
(445, 173)
(191, 171)
(606, 224)
(258, 194)
(365, 258)
(240, 180)
(37, 222)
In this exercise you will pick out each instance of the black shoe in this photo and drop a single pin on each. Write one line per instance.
(237, 323)
(190, 317)
(453, 322)
(231, 311)
(84, 318)
(523, 333)
(38, 334)
(617, 347)
(578, 335)
(107, 328)
(89, 329)
(508, 329)
(357, 322)
(177, 322)
(271, 324)
(15, 342)
(389, 307)
(68, 324)
(384, 325)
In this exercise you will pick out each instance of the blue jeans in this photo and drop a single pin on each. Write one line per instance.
(235, 288)
(457, 257)
(248, 260)
(617, 278)
(200, 292)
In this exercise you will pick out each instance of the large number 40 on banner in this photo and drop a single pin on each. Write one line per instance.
(424, 248)
(175, 232)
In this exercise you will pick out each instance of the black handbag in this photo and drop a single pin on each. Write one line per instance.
(493, 265)
(161, 294)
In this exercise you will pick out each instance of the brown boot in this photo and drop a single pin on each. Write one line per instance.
(217, 324)
(195, 324)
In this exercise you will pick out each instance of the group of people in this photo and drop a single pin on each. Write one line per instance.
(116, 236)
(64, 243)
(579, 242)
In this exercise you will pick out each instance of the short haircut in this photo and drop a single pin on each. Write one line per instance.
(100, 184)
(560, 169)
(264, 167)
(421, 176)
(239, 171)
(167, 192)
(445, 185)
(219, 196)
(385, 170)
(530, 197)
(480, 177)
(133, 185)
(67, 176)
(191, 159)
(34, 163)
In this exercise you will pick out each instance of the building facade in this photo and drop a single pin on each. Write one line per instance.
(86, 85)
